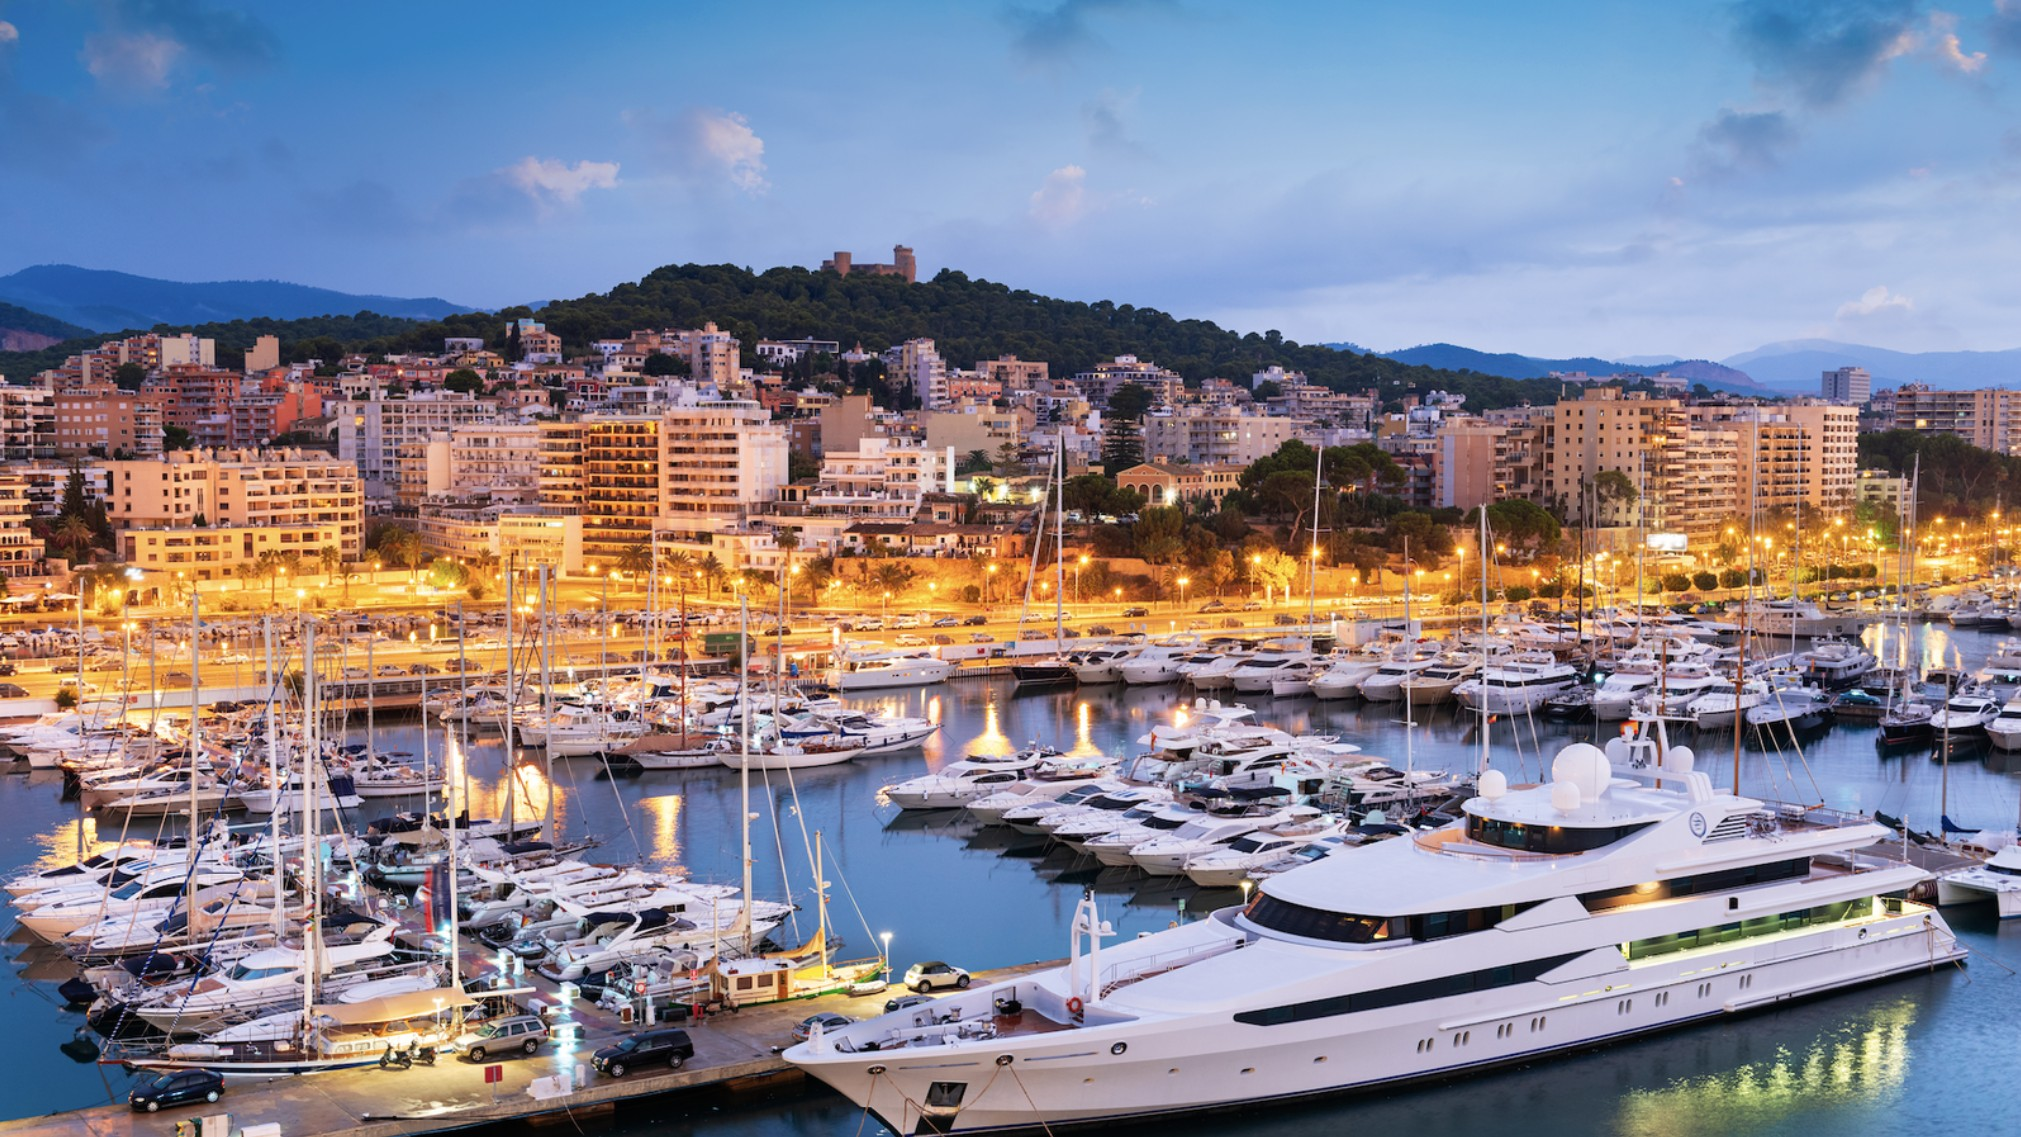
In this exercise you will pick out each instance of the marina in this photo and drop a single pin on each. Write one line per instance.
(946, 884)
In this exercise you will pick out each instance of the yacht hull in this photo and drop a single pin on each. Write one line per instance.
(1104, 1075)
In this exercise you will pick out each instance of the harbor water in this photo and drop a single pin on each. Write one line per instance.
(1929, 1053)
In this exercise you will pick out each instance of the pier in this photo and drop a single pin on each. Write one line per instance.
(735, 1051)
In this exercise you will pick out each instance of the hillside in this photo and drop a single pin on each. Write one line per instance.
(23, 330)
(970, 320)
(109, 301)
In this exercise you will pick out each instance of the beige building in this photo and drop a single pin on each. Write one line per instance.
(1163, 483)
(1888, 491)
(1988, 418)
(104, 420)
(20, 551)
(215, 553)
(1803, 451)
(561, 466)
(525, 534)
(499, 460)
(1466, 465)
(388, 438)
(197, 490)
(965, 430)
(1210, 435)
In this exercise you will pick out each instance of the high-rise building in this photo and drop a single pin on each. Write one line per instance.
(1847, 385)
(917, 365)
(200, 490)
(388, 438)
(1989, 418)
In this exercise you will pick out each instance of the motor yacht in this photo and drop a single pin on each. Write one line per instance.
(1157, 662)
(1229, 866)
(1616, 907)
(1967, 712)
(1722, 705)
(1435, 684)
(859, 669)
(2005, 730)
(1168, 854)
(958, 783)
(1790, 709)
(1259, 671)
(1998, 878)
(1385, 684)
(1835, 663)
(1343, 678)
(1517, 685)
(1044, 788)
(1102, 664)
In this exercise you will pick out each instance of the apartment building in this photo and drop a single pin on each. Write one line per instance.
(101, 420)
(620, 486)
(886, 468)
(1988, 418)
(1105, 379)
(1012, 373)
(196, 398)
(201, 489)
(1163, 483)
(560, 456)
(1806, 451)
(527, 534)
(915, 364)
(27, 424)
(217, 552)
(1684, 468)
(20, 551)
(1851, 385)
(387, 438)
(499, 460)
(1214, 435)
(269, 407)
(1466, 464)
(719, 458)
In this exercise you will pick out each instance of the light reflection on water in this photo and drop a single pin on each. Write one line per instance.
(1862, 1062)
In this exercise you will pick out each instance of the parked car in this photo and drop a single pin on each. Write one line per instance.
(981, 638)
(1252, 605)
(1214, 605)
(175, 1087)
(1231, 621)
(1101, 630)
(523, 1033)
(947, 622)
(829, 1020)
(669, 1046)
(932, 974)
(424, 669)
(1033, 634)
(1136, 611)
(1285, 619)
(904, 1001)
(907, 639)
(973, 621)
(943, 639)
(13, 691)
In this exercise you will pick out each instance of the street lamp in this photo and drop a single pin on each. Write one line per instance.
(884, 611)
(1183, 582)
(886, 937)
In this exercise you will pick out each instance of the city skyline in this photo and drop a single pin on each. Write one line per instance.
(1557, 181)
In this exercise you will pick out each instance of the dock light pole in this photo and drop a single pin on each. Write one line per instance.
(1247, 886)
(886, 937)
(1183, 582)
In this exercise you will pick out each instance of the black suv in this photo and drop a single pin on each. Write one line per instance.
(669, 1045)
(1136, 611)
(175, 1087)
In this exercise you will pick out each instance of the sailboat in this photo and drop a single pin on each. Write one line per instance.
(1055, 670)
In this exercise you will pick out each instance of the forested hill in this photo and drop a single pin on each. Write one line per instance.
(970, 320)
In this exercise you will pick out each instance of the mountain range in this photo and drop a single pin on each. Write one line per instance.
(97, 300)
(1451, 357)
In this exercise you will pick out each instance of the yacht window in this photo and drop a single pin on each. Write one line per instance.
(1547, 838)
(243, 972)
(1316, 923)
(2003, 870)
(1163, 822)
(1722, 881)
(1464, 983)
(1245, 844)
(1834, 913)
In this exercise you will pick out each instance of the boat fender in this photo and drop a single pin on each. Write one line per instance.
(1075, 1006)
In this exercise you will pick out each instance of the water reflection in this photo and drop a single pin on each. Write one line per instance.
(1864, 1062)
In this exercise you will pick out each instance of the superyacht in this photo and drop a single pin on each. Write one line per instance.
(1624, 897)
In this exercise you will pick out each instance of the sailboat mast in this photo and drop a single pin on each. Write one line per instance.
(195, 732)
(1060, 546)
(312, 854)
(1485, 717)
(744, 763)
(547, 702)
(275, 780)
(1312, 554)
(511, 702)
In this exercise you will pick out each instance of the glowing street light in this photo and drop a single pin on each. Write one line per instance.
(1183, 582)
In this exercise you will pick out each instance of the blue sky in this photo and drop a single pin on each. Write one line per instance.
(1551, 178)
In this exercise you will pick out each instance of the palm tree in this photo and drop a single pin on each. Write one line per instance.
(269, 565)
(330, 558)
(637, 560)
(788, 539)
(817, 573)
(247, 572)
(75, 535)
(712, 571)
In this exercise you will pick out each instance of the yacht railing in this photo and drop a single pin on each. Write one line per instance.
(1123, 974)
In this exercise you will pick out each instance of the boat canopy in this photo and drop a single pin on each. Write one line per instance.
(393, 1008)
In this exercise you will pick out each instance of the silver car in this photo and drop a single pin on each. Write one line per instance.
(523, 1033)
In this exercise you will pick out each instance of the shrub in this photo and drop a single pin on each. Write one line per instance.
(1732, 578)
(66, 698)
(1550, 591)
(1675, 582)
(1517, 593)
(1705, 581)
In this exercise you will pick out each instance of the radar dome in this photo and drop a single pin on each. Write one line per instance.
(1584, 765)
(1565, 797)
(1494, 784)
(1679, 760)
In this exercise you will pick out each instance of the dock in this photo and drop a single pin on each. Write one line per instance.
(734, 1051)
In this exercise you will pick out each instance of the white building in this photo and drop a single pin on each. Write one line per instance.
(916, 364)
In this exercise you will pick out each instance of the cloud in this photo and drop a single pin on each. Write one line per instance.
(1822, 51)
(1104, 116)
(706, 146)
(1876, 301)
(1061, 199)
(1745, 140)
(1052, 37)
(138, 62)
(143, 42)
(550, 181)
(1948, 49)
(2004, 24)
(9, 33)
